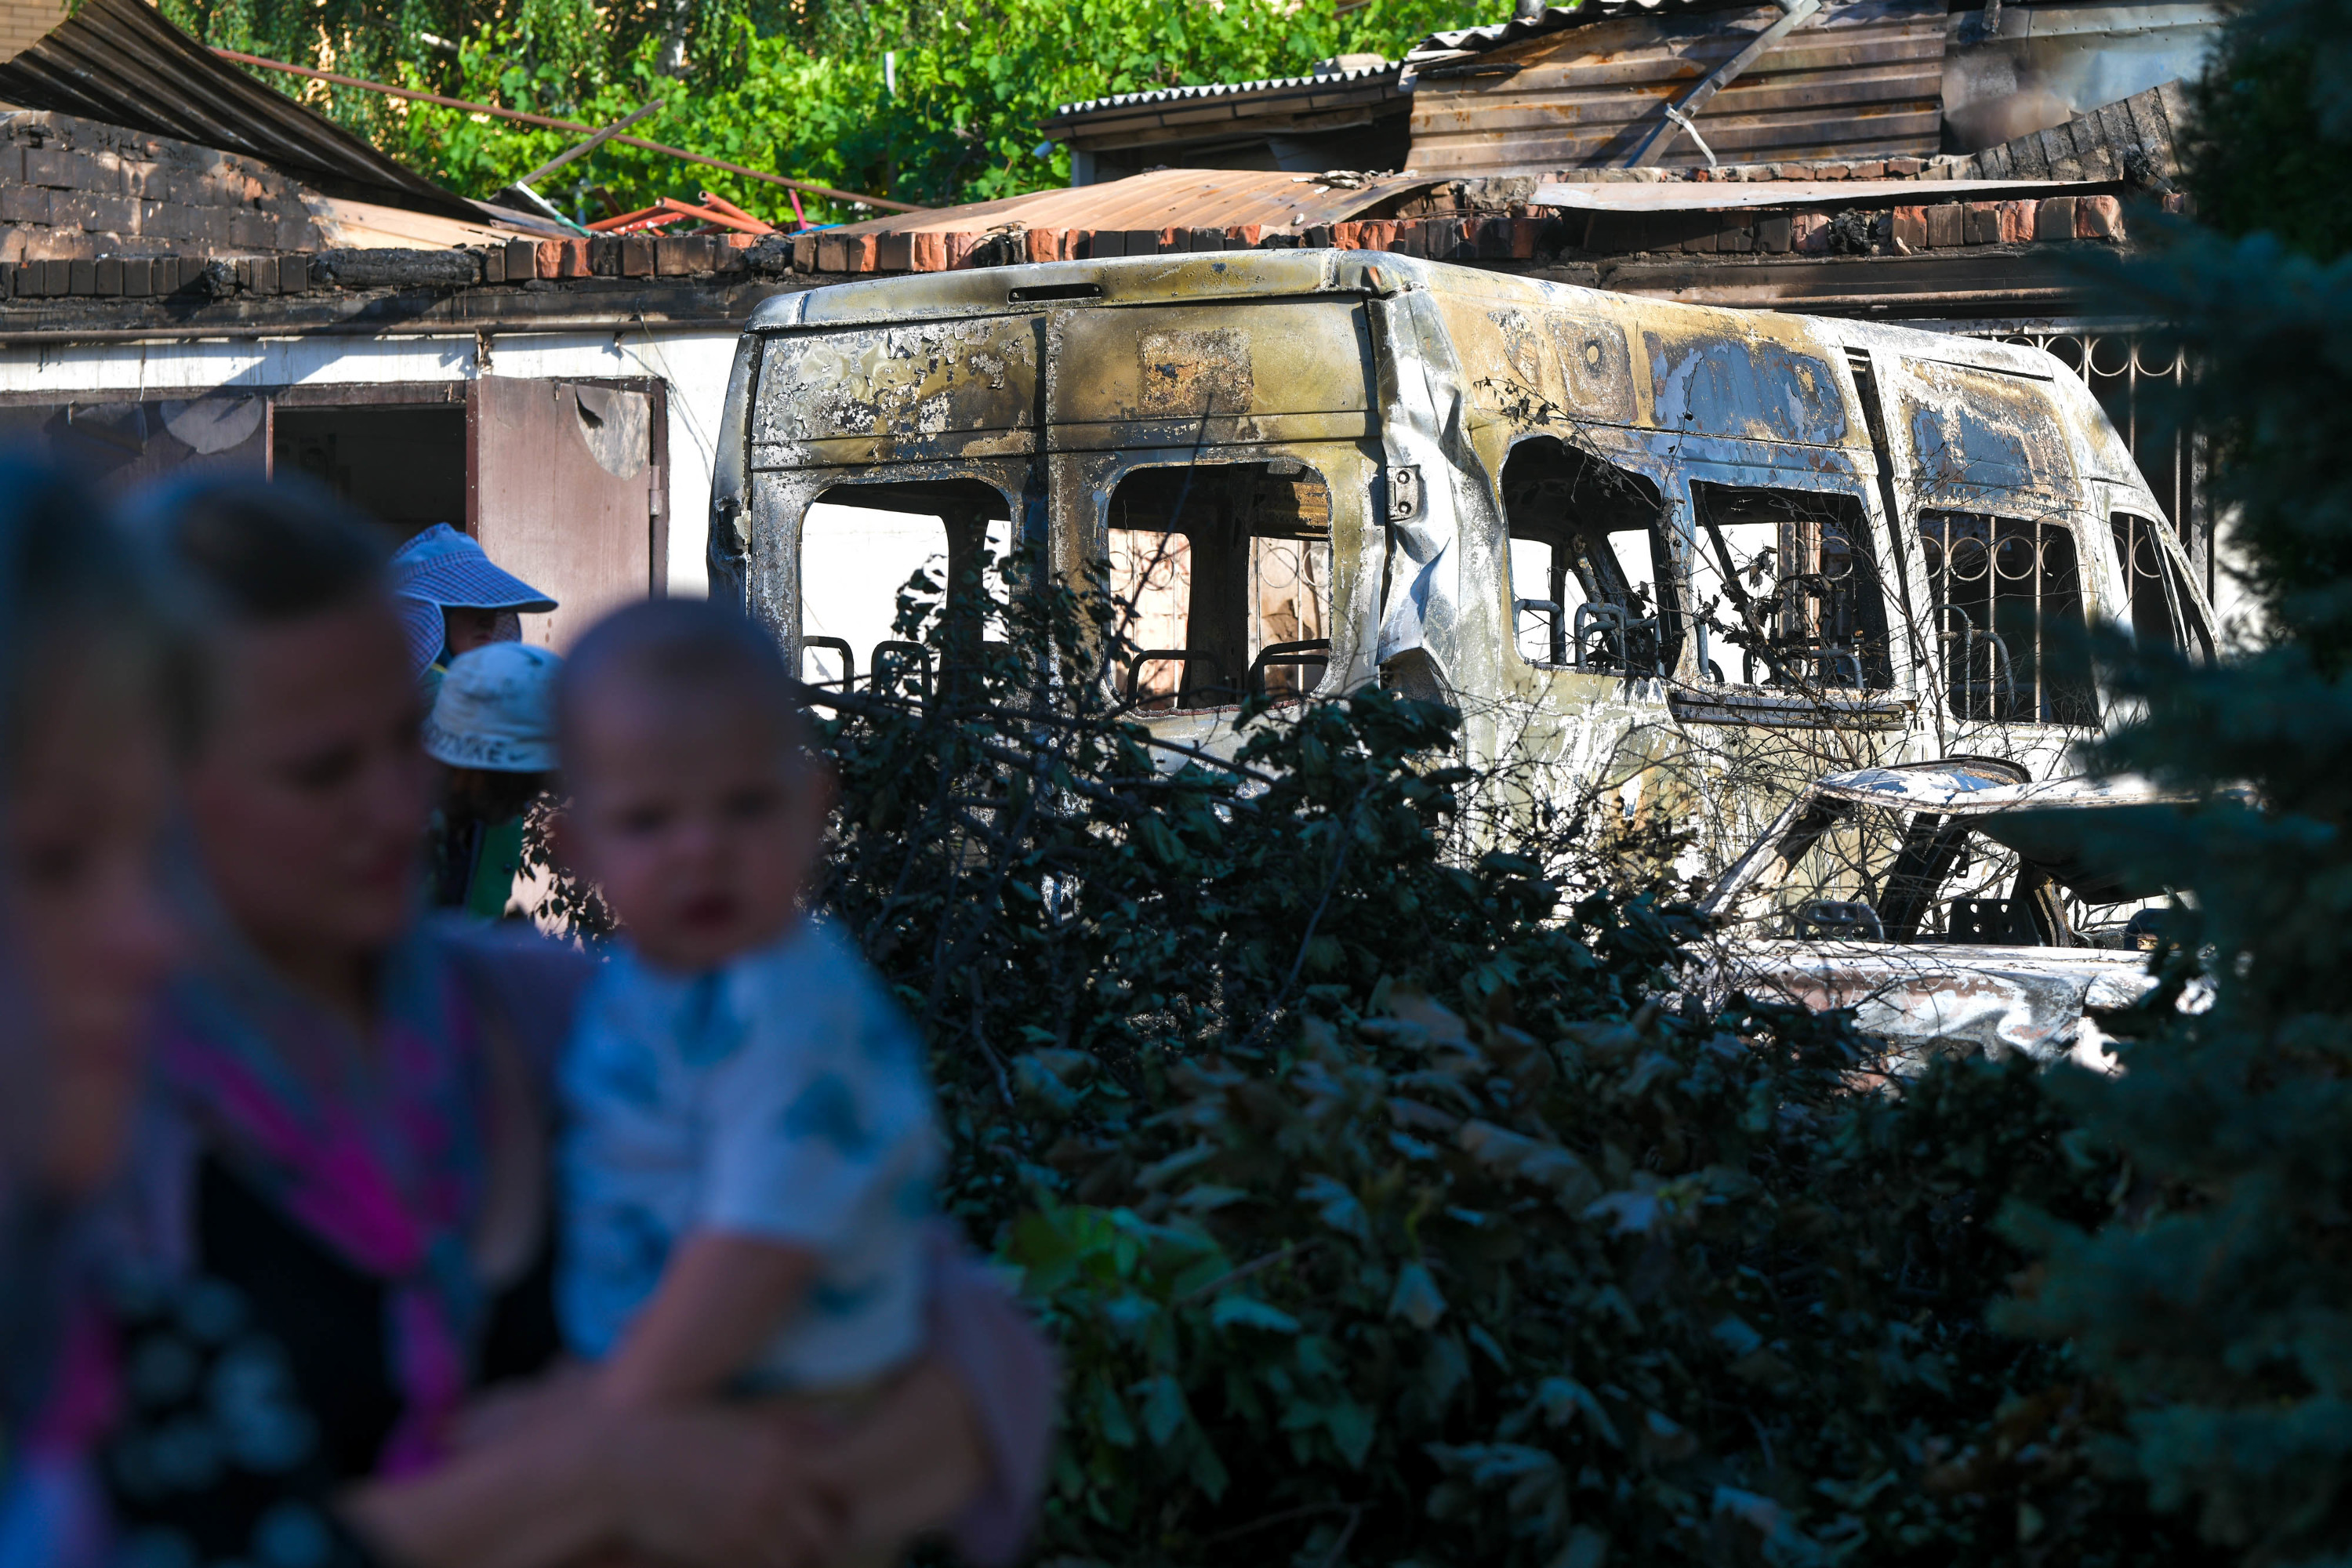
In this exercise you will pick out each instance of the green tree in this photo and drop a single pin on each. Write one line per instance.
(781, 85)
(2215, 1301)
(2273, 126)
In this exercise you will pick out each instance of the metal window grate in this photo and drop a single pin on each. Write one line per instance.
(2139, 380)
(2000, 589)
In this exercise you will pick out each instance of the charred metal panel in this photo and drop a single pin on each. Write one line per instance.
(1562, 366)
(912, 392)
(1597, 366)
(1192, 278)
(1215, 373)
(1979, 439)
(1933, 1000)
(1436, 484)
(727, 546)
(1185, 375)
(1710, 383)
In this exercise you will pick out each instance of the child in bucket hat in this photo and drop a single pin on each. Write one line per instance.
(453, 599)
(493, 726)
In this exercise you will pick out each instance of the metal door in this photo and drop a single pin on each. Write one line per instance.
(566, 488)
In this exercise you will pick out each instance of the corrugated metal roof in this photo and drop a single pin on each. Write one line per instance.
(1551, 19)
(1266, 86)
(119, 61)
(1165, 198)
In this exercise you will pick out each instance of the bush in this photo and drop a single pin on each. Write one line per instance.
(1390, 1201)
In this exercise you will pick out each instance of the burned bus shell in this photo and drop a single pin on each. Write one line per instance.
(1641, 545)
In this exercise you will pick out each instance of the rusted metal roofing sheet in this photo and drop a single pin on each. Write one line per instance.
(119, 61)
(1165, 198)
(1860, 80)
(1339, 100)
(1691, 196)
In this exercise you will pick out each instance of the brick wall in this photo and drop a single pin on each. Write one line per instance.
(72, 189)
(24, 23)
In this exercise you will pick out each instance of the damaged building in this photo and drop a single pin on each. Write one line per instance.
(200, 270)
(201, 274)
(1905, 160)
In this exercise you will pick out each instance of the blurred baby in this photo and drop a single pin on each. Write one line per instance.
(751, 1148)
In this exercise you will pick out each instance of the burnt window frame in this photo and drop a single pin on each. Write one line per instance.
(2010, 682)
(1800, 668)
(1585, 550)
(975, 503)
(2183, 628)
(1231, 686)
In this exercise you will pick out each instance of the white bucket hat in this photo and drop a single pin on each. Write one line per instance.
(496, 710)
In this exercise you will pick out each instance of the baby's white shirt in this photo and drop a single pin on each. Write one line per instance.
(781, 1098)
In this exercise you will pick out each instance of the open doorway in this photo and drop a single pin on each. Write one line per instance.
(564, 483)
(403, 467)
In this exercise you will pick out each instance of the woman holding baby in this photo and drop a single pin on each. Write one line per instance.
(333, 1235)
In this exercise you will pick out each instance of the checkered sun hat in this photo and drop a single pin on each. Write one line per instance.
(441, 567)
(496, 711)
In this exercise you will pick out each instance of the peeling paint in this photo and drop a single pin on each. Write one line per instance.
(928, 378)
(1195, 373)
(1717, 384)
(1413, 390)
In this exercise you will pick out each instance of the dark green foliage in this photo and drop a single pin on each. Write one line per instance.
(2216, 1302)
(793, 87)
(1390, 1210)
(2271, 335)
(2273, 126)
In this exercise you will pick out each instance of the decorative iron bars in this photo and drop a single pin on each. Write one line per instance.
(1999, 588)
(2137, 378)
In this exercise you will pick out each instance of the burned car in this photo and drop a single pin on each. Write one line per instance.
(1644, 547)
(1955, 905)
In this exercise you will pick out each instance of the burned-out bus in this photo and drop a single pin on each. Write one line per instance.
(1642, 545)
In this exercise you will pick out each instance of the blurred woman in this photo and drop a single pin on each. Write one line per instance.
(84, 941)
(339, 1229)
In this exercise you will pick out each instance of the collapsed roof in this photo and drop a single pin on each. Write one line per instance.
(138, 140)
(1667, 84)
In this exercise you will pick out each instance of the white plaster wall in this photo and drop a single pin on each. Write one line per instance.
(694, 364)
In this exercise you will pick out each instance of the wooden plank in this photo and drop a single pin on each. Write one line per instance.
(1911, 136)
(2173, 103)
(2148, 131)
(1622, 77)
(1848, 95)
(1658, 64)
(1861, 87)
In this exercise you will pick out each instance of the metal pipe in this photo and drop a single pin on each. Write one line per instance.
(1678, 116)
(553, 123)
(583, 149)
